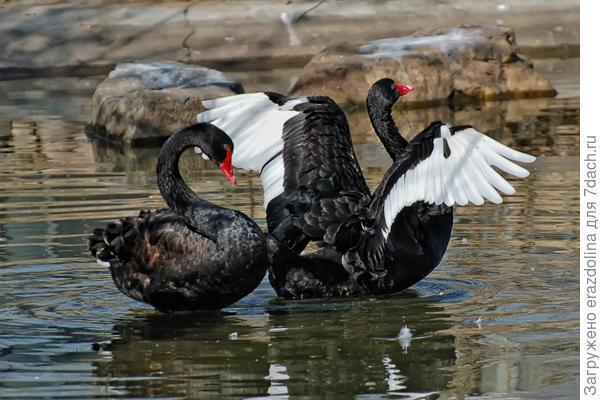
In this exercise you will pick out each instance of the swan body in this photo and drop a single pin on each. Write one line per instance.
(314, 190)
(194, 255)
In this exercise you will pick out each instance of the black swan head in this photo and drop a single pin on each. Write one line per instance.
(385, 92)
(219, 150)
(210, 141)
(382, 96)
(207, 139)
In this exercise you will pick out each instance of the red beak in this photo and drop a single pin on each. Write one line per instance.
(403, 89)
(227, 168)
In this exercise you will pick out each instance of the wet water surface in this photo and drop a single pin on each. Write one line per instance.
(497, 319)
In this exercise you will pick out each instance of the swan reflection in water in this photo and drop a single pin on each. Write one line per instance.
(278, 352)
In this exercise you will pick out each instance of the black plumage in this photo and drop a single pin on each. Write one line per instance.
(315, 190)
(326, 199)
(194, 255)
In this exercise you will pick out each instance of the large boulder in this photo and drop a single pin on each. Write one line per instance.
(148, 101)
(459, 64)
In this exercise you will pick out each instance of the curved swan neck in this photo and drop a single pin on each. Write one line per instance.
(178, 195)
(381, 118)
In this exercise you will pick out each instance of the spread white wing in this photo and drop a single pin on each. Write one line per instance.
(458, 170)
(254, 121)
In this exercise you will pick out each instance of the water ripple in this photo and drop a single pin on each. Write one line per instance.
(504, 295)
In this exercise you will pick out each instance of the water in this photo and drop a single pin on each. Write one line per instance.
(497, 319)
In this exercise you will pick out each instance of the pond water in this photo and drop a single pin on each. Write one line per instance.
(499, 318)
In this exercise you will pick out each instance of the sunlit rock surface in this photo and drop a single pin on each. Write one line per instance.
(459, 64)
(143, 101)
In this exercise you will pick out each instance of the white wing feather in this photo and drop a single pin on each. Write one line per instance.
(465, 176)
(255, 125)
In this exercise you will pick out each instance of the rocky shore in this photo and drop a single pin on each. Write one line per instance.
(60, 38)
(456, 52)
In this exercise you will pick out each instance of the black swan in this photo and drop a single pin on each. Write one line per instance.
(314, 189)
(194, 255)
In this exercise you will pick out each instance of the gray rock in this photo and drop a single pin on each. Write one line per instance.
(147, 101)
(461, 64)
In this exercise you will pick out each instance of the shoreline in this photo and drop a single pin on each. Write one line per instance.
(67, 40)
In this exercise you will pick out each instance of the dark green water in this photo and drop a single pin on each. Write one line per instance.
(499, 318)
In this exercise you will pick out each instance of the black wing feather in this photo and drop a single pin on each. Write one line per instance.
(142, 247)
(320, 163)
(418, 149)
